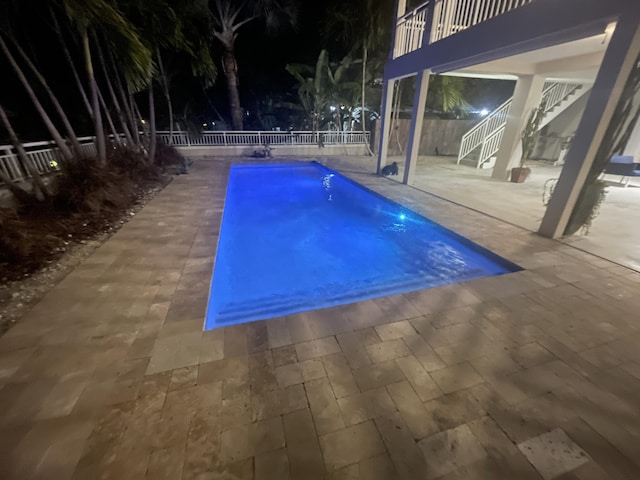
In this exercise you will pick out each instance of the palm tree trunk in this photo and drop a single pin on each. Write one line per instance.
(53, 131)
(107, 114)
(152, 126)
(364, 84)
(136, 117)
(167, 96)
(112, 93)
(24, 158)
(101, 147)
(396, 115)
(125, 98)
(81, 89)
(231, 72)
(71, 134)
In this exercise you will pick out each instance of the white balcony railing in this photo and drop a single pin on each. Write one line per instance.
(231, 139)
(445, 18)
(410, 30)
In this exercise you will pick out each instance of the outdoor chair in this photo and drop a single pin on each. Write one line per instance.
(625, 166)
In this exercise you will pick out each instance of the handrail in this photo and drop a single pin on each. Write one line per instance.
(488, 132)
(414, 10)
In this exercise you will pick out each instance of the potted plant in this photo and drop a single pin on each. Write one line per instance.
(529, 137)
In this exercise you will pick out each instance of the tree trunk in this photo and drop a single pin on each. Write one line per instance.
(125, 98)
(231, 72)
(152, 126)
(107, 114)
(71, 134)
(137, 117)
(101, 147)
(112, 93)
(364, 85)
(24, 158)
(53, 131)
(167, 96)
(67, 55)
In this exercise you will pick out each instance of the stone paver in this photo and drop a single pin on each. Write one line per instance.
(111, 375)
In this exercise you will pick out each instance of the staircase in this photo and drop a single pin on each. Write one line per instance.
(482, 142)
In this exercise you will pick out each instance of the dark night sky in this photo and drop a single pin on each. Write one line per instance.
(261, 58)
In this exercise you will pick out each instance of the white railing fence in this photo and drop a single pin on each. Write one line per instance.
(235, 139)
(448, 17)
(44, 155)
(488, 133)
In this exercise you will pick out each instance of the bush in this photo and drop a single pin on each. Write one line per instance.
(168, 156)
(84, 186)
(21, 239)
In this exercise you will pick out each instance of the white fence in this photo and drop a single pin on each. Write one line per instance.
(447, 17)
(44, 156)
(231, 138)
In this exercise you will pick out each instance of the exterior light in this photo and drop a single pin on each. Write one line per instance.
(484, 112)
(204, 124)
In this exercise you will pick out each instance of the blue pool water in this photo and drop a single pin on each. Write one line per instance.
(298, 237)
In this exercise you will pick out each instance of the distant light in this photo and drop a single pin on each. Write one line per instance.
(332, 108)
(204, 124)
(402, 216)
(484, 112)
(143, 121)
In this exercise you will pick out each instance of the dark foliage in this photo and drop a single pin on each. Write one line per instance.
(87, 200)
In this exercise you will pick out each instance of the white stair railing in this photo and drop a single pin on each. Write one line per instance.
(488, 133)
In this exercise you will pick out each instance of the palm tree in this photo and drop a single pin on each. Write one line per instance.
(55, 134)
(229, 16)
(363, 26)
(446, 93)
(133, 55)
(38, 183)
(320, 87)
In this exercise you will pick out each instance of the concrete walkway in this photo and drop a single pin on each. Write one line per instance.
(529, 375)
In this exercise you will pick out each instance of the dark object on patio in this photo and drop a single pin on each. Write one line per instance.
(264, 153)
(624, 166)
(520, 174)
(390, 169)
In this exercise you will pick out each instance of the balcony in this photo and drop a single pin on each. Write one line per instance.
(438, 19)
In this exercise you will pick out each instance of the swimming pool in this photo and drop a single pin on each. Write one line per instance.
(299, 236)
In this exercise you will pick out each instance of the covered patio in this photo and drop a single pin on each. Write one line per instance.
(614, 234)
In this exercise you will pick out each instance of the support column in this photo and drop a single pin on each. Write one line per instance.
(385, 126)
(619, 58)
(526, 97)
(415, 130)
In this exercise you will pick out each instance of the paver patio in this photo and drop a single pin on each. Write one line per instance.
(530, 375)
